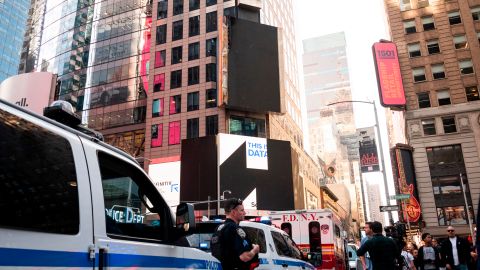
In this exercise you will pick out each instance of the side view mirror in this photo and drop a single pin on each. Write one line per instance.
(185, 217)
(314, 258)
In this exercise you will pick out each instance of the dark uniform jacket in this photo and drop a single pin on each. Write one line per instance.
(383, 252)
(463, 249)
(234, 242)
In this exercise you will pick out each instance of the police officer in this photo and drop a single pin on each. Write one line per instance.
(237, 250)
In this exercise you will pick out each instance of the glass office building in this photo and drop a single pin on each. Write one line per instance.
(13, 17)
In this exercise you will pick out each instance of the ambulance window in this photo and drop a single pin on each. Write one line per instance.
(132, 206)
(280, 244)
(256, 236)
(287, 227)
(38, 183)
(314, 236)
(294, 251)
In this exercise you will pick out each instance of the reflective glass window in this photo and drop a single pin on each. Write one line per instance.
(174, 133)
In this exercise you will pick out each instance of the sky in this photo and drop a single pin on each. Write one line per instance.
(363, 25)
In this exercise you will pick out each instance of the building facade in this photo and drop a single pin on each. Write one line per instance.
(13, 14)
(439, 54)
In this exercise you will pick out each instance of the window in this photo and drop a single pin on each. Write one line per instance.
(194, 26)
(211, 21)
(192, 101)
(177, 55)
(175, 104)
(159, 82)
(414, 50)
(428, 23)
(176, 79)
(162, 8)
(472, 93)
(294, 251)
(211, 98)
(405, 5)
(256, 236)
(211, 125)
(454, 17)
(280, 244)
(287, 228)
(409, 26)
(174, 133)
(419, 74)
(157, 132)
(192, 128)
(193, 5)
(466, 66)
(445, 157)
(193, 74)
(453, 215)
(211, 47)
(476, 13)
(246, 126)
(314, 237)
(211, 2)
(438, 71)
(443, 97)
(128, 195)
(161, 36)
(460, 42)
(423, 3)
(177, 7)
(160, 59)
(423, 100)
(429, 127)
(211, 72)
(157, 107)
(30, 156)
(193, 51)
(449, 124)
(177, 32)
(432, 46)
(446, 185)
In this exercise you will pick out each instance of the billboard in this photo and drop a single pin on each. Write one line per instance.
(368, 156)
(389, 77)
(165, 175)
(404, 172)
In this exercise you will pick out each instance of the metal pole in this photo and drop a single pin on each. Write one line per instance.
(404, 207)
(384, 171)
(209, 206)
(466, 205)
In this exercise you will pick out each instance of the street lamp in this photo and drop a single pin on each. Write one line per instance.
(384, 172)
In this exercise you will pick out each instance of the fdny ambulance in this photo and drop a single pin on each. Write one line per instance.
(70, 201)
(315, 232)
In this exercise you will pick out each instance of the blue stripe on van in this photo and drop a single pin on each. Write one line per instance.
(293, 263)
(49, 258)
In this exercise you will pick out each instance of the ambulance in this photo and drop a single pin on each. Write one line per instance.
(316, 231)
(70, 201)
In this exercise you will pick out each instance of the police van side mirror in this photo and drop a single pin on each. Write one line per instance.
(314, 258)
(185, 217)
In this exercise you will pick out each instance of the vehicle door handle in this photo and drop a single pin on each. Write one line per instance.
(284, 265)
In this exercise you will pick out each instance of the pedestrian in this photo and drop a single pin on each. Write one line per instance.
(407, 258)
(455, 251)
(383, 251)
(428, 256)
(232, 247)
(366, 262)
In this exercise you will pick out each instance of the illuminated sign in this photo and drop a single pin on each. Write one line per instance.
(389, 77)
(369, 157)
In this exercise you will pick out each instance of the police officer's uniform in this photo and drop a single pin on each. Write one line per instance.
(234, 242)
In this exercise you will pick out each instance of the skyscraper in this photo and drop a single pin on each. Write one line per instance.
(439, 55)
(13, 14)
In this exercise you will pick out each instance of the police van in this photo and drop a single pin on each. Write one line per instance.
(70, 201)
(277, 249)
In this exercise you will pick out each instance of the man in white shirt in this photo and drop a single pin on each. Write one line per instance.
(455, 251)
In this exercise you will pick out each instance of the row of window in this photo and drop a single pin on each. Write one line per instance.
(193, 28)
(443, 97)
(193, 53)
(174, 130)
(429, 127)
(162, 10)
(438, 70)
(428, 22)
(175, 103)
(433, 47)
(193, 77)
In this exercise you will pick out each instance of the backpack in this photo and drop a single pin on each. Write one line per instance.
(215, 242)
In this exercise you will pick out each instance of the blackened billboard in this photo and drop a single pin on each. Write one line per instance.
(389, 76)
(368, 156)
(404, 171)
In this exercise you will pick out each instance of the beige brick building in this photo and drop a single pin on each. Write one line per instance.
(439, 54)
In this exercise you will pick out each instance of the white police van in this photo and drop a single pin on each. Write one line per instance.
(70, 201)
